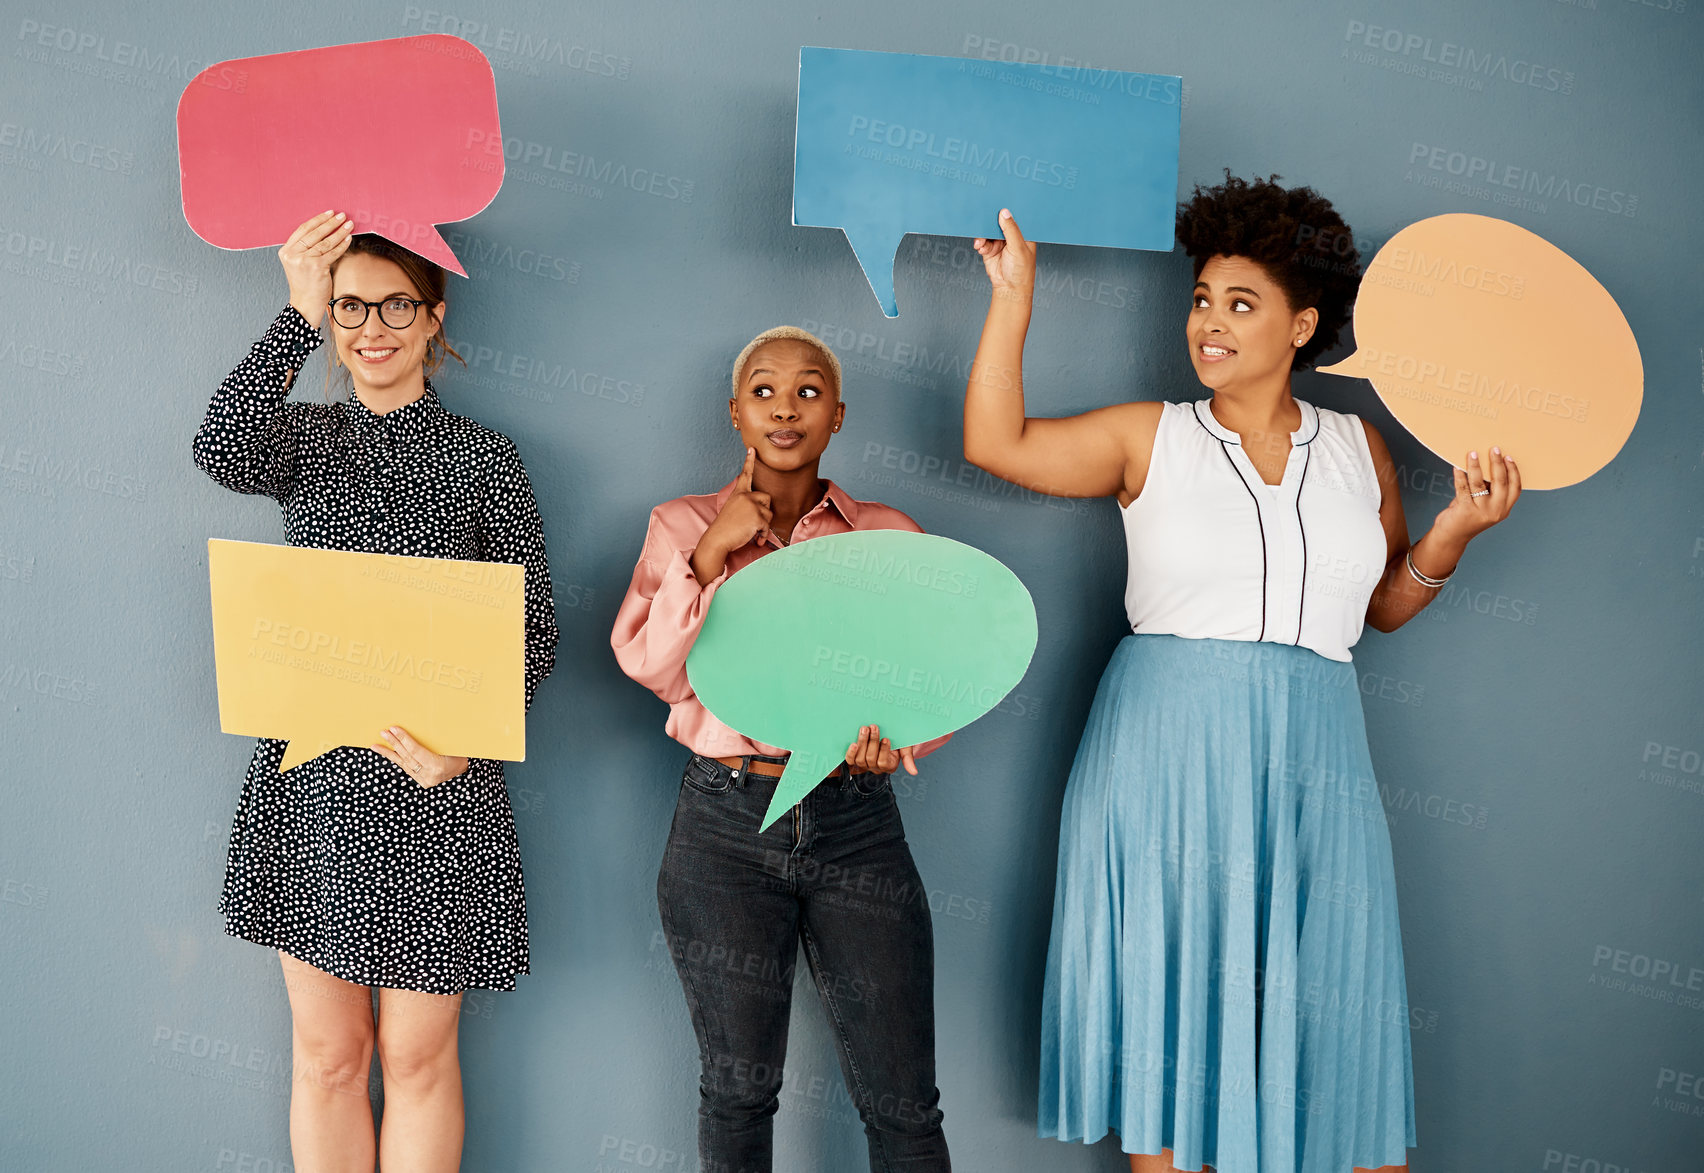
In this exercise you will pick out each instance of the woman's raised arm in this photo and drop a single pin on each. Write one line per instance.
(245, 441)
(1100, 453)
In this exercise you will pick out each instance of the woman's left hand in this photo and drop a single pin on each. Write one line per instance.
(1498, 487)
(428, 769)
(874, 754)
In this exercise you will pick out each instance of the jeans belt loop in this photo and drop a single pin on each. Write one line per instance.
(743, 771)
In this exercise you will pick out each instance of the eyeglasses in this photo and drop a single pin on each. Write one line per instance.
(396, 312)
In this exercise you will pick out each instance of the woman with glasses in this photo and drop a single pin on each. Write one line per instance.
(389, 868)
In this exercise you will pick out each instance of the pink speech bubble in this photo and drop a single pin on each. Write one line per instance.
(400, 134)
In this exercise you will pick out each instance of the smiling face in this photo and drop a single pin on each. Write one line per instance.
(787, 405)
(381, 358)
(1242, 329)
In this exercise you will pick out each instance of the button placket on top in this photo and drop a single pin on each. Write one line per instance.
(370, 461)
(1279, 507)
(1286, 547)
(379, 443)
(803, 528)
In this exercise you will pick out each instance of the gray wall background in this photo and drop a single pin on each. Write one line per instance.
(1537, 732)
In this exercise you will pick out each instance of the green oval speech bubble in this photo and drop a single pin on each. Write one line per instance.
(916, 633)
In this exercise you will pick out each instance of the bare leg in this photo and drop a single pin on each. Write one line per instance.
(1161, 1163)
(331, 1049)
(422, 1127)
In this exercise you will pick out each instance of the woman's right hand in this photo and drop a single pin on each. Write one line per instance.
(1010, 263)
(307, 258)
(872, 753)
(744, 515)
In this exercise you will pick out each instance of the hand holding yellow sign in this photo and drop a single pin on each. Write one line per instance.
(1477, 332)
(329, 647)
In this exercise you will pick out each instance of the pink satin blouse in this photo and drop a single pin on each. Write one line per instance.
(665, 606)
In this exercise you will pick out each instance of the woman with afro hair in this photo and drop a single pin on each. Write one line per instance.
(1224, 983)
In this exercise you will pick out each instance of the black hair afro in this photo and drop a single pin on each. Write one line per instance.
(1293, 233)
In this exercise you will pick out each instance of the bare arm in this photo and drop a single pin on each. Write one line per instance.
(1101, 453)
(1399, 596)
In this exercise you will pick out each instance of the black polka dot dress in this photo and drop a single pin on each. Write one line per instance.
(346, 862)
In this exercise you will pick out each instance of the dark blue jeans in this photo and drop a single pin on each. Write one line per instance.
(835, 875)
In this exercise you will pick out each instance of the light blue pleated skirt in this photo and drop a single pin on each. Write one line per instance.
(1224, 977)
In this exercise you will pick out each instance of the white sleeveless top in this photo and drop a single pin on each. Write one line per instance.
(1216, 553)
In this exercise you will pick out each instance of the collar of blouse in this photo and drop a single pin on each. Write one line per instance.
(834, 495)
(1203, 409)
(408, 422)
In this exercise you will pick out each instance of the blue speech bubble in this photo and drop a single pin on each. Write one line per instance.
(891, 143)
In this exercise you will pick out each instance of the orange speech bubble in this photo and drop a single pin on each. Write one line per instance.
(1476, 332)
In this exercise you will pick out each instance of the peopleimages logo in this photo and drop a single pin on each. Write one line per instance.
(1154, 87)
(519, 46)
(29, 142)
(1677, 975)
(912, 356)
(1528, 181)
(1448, 55)
(610, 172)
(474, 250)
(58, 469)
(950, 149)
(118, 60)
(85, 266)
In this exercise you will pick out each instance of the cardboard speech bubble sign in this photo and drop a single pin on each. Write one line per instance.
(916, 633)
(1475, 331)
(891, 143)
(328, 647)
(396, 133)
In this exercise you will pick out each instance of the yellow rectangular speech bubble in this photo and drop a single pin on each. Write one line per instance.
(329, 647)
